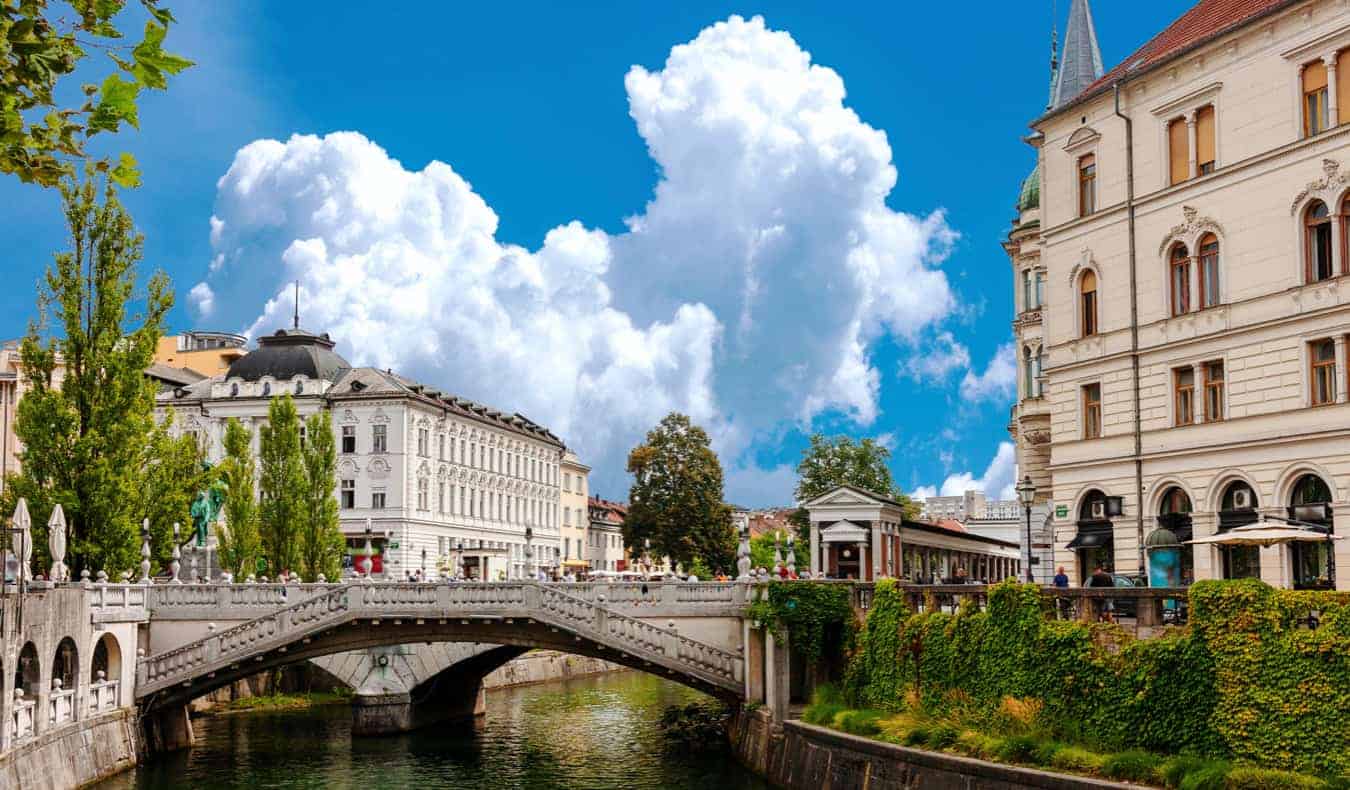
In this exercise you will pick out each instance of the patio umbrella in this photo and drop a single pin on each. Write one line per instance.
(1267, 533)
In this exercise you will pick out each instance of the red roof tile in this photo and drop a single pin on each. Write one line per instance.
(1208, 19)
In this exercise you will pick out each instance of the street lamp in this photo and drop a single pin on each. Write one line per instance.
(529, 552)
(1026, 492)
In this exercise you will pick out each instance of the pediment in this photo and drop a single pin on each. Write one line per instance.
(845, 532)
(844, 495)
(1082, 137)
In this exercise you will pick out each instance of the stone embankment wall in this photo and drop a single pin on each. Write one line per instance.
(804, 757)
(542, 666)
(74, 755)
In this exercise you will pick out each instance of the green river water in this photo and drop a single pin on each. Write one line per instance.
(598, 733)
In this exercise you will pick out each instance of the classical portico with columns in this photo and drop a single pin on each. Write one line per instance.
(856, 534)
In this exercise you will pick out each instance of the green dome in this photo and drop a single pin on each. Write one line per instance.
(1161, 538)
(1031, 191)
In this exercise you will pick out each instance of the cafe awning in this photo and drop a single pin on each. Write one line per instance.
(1091, 534)
(1267, 533)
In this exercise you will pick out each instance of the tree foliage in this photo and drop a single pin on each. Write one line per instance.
(173, 473)
(87, 415)
(281, 486)
(240, 543)
(676, 497)
(761, 548)
(39, 139)
(321, 543)
(830, 462)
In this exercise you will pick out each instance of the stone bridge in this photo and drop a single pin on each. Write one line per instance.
(203, 637)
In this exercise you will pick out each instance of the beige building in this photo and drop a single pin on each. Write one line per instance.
(1182, 312)
(575, 514)
(207, 353)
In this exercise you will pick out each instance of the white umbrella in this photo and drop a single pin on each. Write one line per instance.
(1266, 533)
(56, 541)
(24, 523)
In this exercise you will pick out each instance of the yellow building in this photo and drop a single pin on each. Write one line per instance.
(208, 353)
(575, 517)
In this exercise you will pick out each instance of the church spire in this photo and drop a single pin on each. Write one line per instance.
(1081, 63)
(1054, 58)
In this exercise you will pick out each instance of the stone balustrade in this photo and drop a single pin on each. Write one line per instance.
(61, 706)
(25, 720)
(104, 695)
(550, 604)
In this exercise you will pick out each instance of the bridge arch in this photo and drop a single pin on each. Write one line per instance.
(517, 617)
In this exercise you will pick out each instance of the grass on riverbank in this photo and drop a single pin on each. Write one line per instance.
(1014, 739)
(285, 701)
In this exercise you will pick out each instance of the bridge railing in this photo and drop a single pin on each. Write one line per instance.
(1140, 606)
(104, 695)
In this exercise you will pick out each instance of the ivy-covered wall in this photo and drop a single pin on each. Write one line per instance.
(1242, 680)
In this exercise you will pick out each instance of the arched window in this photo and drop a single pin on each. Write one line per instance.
(1087, 301)
(1237, 507)
(1317, 242)
(1179, 279)
(1309, 503)
(1209, 271)
(1170, 561)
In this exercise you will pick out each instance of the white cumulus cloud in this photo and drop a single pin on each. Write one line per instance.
(748, 292)
(998, 481)
(203, 299)
(997, 382)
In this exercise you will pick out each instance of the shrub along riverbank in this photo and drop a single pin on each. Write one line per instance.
(1240, 693)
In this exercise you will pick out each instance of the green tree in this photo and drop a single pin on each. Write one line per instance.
(39, 139)
(173, 472)
(830, 462)
(88, 412)
(281, 486)
(240, 544)
(676, 497)
(761, 548)
(321, 542)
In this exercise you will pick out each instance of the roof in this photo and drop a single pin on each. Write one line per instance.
(171, 375)
(607, 512)
(288, 353)
(1204, 22)
(937, 529)
(1081, 64)
(855, 489)
(950, 524)
(1030, 196)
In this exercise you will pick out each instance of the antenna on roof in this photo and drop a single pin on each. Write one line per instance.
(297, 304)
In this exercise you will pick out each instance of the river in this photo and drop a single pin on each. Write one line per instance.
(597, 733)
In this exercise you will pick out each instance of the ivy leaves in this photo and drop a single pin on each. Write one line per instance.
(38, 47)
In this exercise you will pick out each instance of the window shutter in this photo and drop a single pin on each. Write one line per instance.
(1179, 145)
(1343, 84)
(1314, 76)
(1204, 135)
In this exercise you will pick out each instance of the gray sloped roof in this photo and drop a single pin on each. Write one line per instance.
(1081, 64)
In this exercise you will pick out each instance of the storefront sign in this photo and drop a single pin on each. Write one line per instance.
(1061, 511)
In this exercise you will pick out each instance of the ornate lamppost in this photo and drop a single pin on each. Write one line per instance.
(529, 552)
(1026, 491)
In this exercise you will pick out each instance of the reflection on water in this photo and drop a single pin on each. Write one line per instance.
(589, 733)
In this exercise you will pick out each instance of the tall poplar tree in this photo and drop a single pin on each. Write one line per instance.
(321, 542)
(173, 472)
(281, 486)
(676, 497)
(88, 412)
(239, 541)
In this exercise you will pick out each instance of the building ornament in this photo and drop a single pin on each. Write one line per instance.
(379, 416)
(1038, 437)
(379, 468)
(1190, 230)
(1330, 181)
(348, 416)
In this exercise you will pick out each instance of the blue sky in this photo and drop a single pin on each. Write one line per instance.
(714, 231)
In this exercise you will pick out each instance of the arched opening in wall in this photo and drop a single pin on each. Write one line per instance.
(66, 663)
(1179, 279)
(1317, 243)
(28, 671)
(1314, 562)
(1209, 271)
(1237, 507)
(1095, 542)
(1170, 562)
(107, 663)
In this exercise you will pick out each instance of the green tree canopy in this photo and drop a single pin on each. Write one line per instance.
(240, 544)
(173, 472)
(88, 413)
(321, 543)
(676, 497)
(830, 462)
(761, 548)
(281, 486)
(40, 140)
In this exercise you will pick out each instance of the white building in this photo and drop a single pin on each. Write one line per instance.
(1001, 519)
(443, 482)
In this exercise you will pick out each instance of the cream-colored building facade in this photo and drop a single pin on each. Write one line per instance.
(575, 515)
(1182, 300)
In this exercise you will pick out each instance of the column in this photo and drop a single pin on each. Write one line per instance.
(817, 567)
(862, 562)
(1333, 111)
(875, 546)
(1341, 387)
(1192, 165)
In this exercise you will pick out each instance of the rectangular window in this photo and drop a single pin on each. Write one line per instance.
(348, 439)
(348, 494)
(1314, 98)
(379, 439)
(1206, 159)
(1179, 153)
(1209, 272)
(422, 503)
(377, 500)
(440, 446)
(423, 444)
(1214, 391)
(1092, 411)
(1040, 287)
(1323, 353)
(1087, 185)
(1183, 395)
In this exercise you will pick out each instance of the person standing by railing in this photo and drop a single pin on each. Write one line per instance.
(1061, 582)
